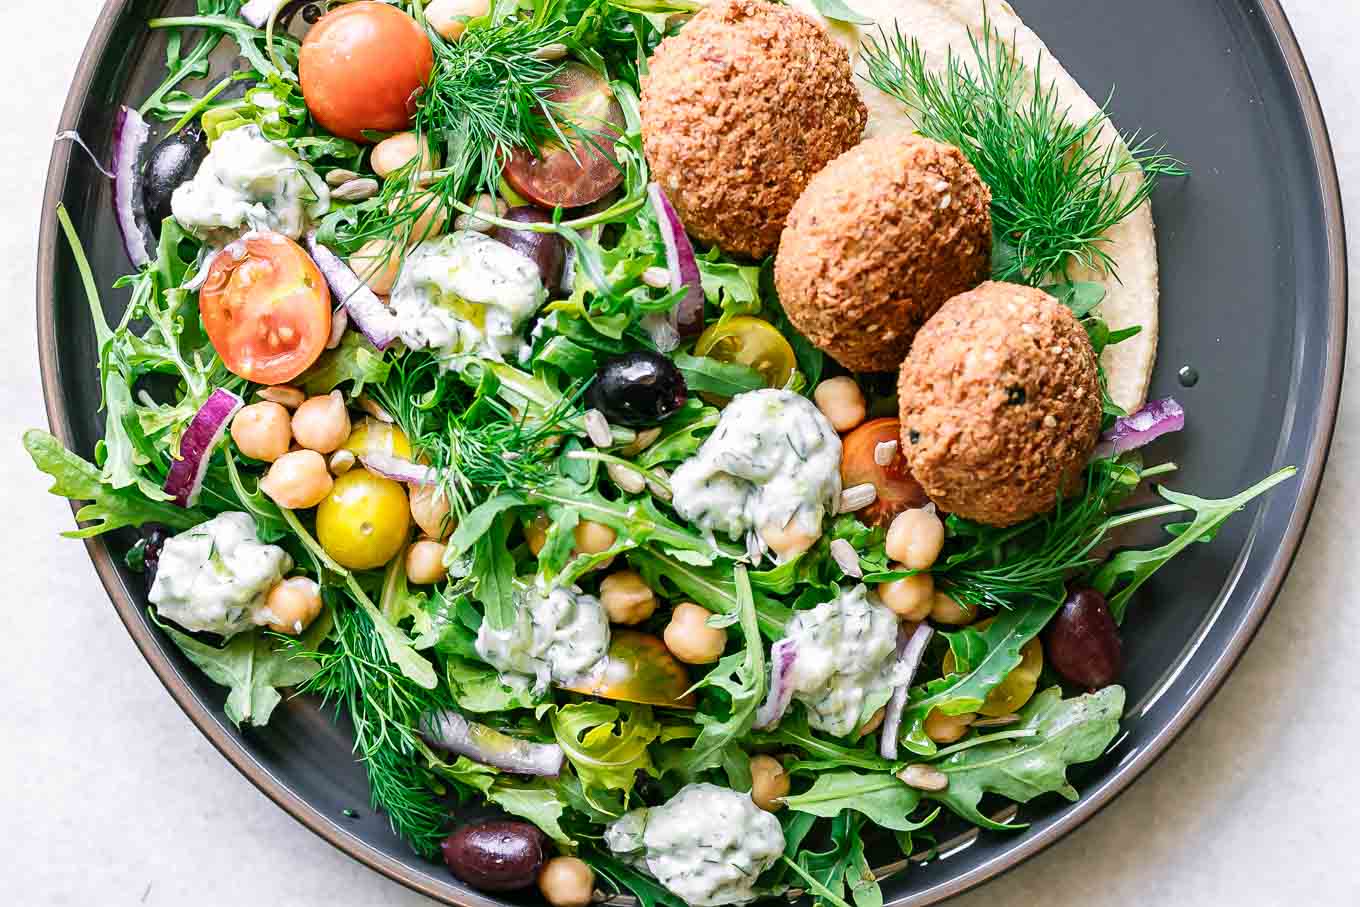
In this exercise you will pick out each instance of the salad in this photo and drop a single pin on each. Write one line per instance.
(701, 432)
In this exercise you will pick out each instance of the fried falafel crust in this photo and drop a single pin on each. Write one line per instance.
(881, 238)
(1000, 403)
(739, 110)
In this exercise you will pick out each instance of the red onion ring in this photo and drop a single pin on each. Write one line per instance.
(185, 479)
(130, 134)
(1157, 418)
(910, 651)
(687, 317)
(450, 731)
(782, 656)
(373, 319)
(399, 470)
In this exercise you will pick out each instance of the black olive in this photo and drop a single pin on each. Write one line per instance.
(145, 556)
(495, 856)
(1082, 641)
(638, 389)
(170, 164)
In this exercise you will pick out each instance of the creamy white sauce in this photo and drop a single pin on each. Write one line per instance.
(466, 294)
(215, 576)
(707, 845)
(249, 183)
(772, 467)
(556, 637)
(847, 664)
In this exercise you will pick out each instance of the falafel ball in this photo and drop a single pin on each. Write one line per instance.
(877, 242)
(1000, 403)
(739, 110)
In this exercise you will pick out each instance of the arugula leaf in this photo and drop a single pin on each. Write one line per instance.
(710, 376)
(533, 800)
(685, 433)
(398, 602)
(476, 524)
(109, 508)
(252, 667)
(355, 360)
(477, 687)
(1132, 568)
(493, 572)
(881, 797)
(741, 676)
(1068, 731)
(837, 10)
(795, 732)
(711, 587)
(966, 691)
(731, 287)
(623, 877)
(606, 744)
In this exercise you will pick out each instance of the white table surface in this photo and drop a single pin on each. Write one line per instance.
(111, 797)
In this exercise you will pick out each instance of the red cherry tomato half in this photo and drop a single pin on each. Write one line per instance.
(266, 309)
(362, 66)
(897, 490)
(554, 177)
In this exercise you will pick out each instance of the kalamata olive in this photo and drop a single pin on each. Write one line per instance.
(1082, 641)
(499, 855)
(637, 389)
(171, 163)
(548, 250)
(148, 549)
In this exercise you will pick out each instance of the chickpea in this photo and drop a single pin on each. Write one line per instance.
(430, 510)
(874, 723)
(841, 401)
(450, 17)
(566, 881)
(297, 480)
(948, 728)
(425, 562)
(691, 639)
(430, 215)
(396, 151)
(262, 431)
(482, 204)
(789, 541)
(322, 423)
(292, 605)
(626, 598)
(377, 264)
(909, 598)
(915, 538)
(536, 533)
(769, 782)
(592, 538)
(945, 609)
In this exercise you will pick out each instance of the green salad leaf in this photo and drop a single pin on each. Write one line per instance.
(606, 744)
(839, 11)
(1068, 731)
(355, 361)
(533, 800)
(478, 687)
(881, 797)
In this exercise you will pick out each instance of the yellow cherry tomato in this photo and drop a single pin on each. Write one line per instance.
(748, 340)
(1019, 685)
(373, 436)
(364, 521)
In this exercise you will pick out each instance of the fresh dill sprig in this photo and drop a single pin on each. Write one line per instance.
(1057, 188)
(386, 708)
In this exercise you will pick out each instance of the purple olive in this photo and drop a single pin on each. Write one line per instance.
(1082, 641)
(499, 855)
(548, 250)
(637, 389)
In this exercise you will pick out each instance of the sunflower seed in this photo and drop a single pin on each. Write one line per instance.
(658, 278)
(550, 52)
(656, 488)
(342, 461)
(368, 405)
(884, 452)
(355, 190)
(482, 204)
(339, 321)
(597, 428)
(923, 777)
(999, 721)
(630, 480)
(339, 177)
(857, 497)
(645, 439)
(283, 394)
(845, 557)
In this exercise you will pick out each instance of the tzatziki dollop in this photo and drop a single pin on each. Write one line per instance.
(246, 183)
(214, 577)
(466, 293)
(557, 636)
(706, 845)
(847, 664)
(772, 467)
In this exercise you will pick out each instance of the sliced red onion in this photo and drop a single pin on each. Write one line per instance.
(130, 133)
(450, 731)
(259, 12)
(910, 651)
(205, 430)
(1160, 417)
(687, 317)
(399, 470)
(373, 319)
(782, 656)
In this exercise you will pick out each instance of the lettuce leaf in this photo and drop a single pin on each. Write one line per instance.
(606, 744)
(881, 797)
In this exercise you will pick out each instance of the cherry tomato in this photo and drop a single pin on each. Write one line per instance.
(362, 66)
(750, 341)
(553, 177)
(373, 436)
(364, 521)
(897, 490)
(1011, 694)
(266, 309)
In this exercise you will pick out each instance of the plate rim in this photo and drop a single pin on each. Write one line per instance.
(1120, 779)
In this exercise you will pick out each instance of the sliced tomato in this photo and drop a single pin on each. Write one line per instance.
(556, 176)
(266, 308)
(897, 490)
